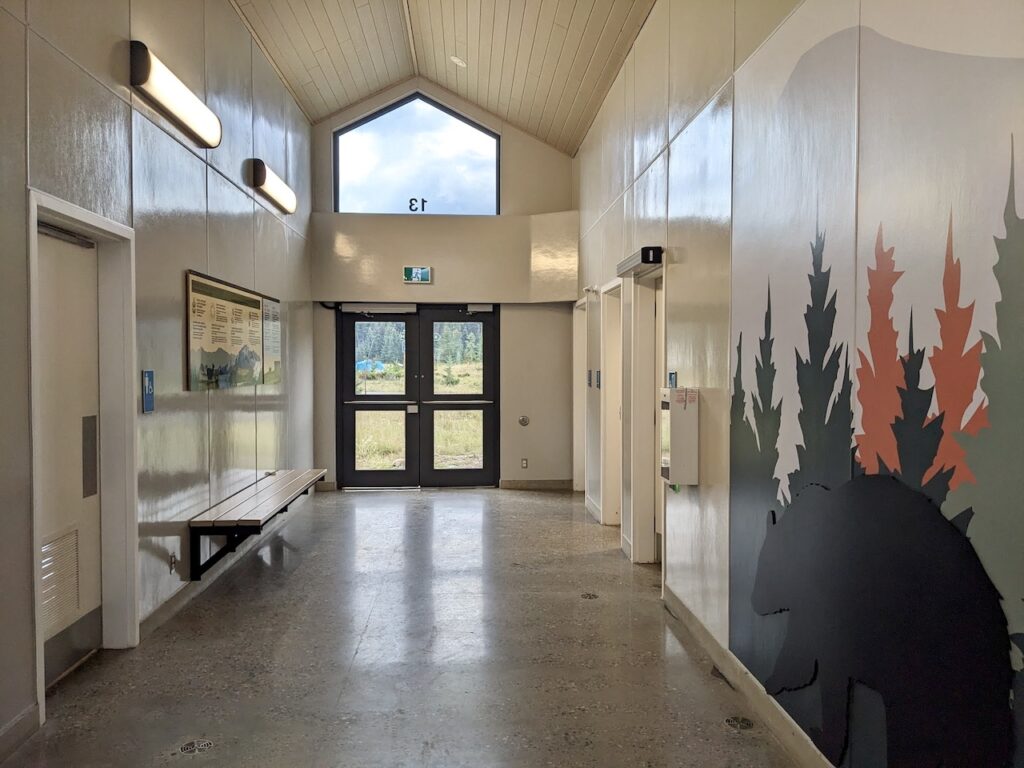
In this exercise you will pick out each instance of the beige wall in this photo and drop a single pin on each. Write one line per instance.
(655, 169)
(536, 381)
(535, 177)
(359, 257)
(92, 142)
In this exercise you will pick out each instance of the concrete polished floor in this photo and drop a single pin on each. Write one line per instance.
(435, 628)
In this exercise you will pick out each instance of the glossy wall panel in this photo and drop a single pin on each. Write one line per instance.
(649, 200)
(174, 440)
(297, 172)
(230, 232)
(229, 89)
(700, 54)
(15, 7)
(80, 146)
(94, 34)
(175, 33)
(17, 566)
(270, 117)
(698, 299)
(650, 88)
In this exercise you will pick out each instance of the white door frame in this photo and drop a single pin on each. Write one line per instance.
(119, 398)
(579, 395)
(645, 477)
(611, 402)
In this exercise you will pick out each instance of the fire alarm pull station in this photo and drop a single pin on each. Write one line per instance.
(680, 410)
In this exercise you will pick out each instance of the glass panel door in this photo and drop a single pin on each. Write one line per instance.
(378, 429)
(459, 391)
(417, 398)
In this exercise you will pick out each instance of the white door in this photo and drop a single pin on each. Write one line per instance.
(68, 435)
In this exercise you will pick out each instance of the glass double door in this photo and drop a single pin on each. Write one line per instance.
(418, 394)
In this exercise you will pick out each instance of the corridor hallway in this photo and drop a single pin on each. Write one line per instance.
(436, 628)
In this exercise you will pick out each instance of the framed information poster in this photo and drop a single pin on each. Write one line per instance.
(225, 334)
(272, 373)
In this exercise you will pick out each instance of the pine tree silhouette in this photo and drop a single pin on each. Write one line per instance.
(997, 528)
(917, 435)
(825, 457)
(743, 440)
(957, 370)
(880, 377)
(754, 491)
(767, 415)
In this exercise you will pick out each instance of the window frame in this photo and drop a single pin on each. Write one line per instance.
(417, 96)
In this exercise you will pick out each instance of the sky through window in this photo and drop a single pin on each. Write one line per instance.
(414, 153)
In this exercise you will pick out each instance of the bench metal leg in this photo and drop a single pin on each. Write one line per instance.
(235, 536)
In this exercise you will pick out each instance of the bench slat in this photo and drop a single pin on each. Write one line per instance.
(257, 492)
(259, 509)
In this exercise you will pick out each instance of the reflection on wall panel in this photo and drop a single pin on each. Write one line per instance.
(697, 297)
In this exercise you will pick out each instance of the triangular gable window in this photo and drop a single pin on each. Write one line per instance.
(416, 157)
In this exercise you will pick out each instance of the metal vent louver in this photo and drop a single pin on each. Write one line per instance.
(60, 598)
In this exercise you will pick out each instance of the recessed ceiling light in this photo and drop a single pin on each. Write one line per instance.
(457, 61)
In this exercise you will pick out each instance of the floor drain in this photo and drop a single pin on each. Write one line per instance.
(739, 723)
(195, 747)
(589, 596)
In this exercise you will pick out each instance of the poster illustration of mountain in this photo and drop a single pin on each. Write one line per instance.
(271, 341)
(225, 332)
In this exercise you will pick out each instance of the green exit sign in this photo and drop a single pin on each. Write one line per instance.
(416, 275)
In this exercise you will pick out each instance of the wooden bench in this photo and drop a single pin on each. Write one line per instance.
(245, 513)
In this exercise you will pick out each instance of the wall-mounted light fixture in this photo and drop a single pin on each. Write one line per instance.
(272, 187)
(161, 86)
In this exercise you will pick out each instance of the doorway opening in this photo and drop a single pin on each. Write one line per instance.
(417, 396)
(84, 404)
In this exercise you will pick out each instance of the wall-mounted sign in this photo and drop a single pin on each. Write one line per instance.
(148, 391)
(272, 363)
(225, 334)
(417, 275)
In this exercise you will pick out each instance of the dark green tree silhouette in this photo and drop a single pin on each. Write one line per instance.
(767, 415)
(997, 527)
(754, 491)
(826, 455)
(918, 436)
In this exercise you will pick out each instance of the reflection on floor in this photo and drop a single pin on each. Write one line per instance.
(438, 628)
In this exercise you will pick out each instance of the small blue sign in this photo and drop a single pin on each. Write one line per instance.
(148, 391)
(673, 380)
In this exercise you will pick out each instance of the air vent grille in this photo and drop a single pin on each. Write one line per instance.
(60, 594)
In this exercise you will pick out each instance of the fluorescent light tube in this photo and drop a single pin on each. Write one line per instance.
(152, 77)
(272, 187)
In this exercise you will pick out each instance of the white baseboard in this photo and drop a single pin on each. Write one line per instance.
(592, 507)
(794, 741)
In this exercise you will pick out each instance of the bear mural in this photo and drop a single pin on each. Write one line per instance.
(883, 590)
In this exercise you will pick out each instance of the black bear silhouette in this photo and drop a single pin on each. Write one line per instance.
(883, 590)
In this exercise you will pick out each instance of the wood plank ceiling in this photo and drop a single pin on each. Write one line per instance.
(543, 65)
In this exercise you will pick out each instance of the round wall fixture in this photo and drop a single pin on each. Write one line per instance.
(524, 421)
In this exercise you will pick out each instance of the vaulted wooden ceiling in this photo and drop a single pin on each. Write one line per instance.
(542, 65)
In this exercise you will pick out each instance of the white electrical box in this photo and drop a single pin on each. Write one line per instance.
(680, 411)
